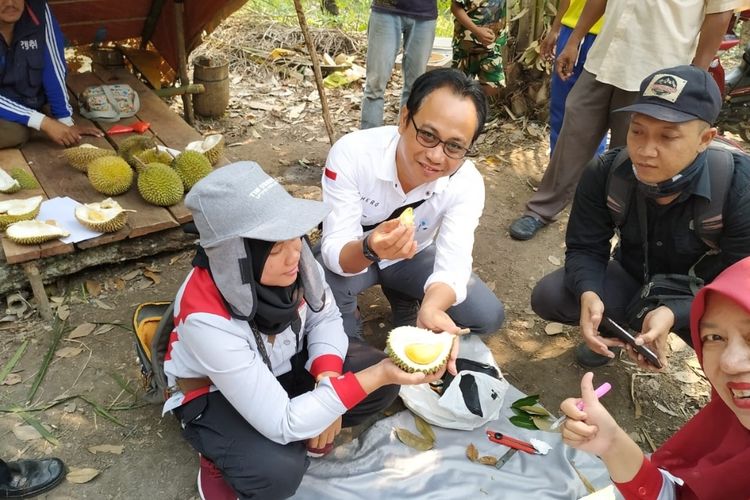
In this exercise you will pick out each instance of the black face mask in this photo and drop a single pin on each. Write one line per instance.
(676, 184)
(276, 305)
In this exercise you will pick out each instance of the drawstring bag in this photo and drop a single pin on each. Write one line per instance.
(467, 401)
(109, 103)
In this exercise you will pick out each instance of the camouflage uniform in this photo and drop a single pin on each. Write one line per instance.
(468, 54)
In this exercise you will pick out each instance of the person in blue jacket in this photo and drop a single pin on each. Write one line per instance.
(32, 77)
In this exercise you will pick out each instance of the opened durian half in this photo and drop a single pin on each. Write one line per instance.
(16, 210)
(107, 216)
(212, 147)
(418, 350)
(33, 232)
(7, 183)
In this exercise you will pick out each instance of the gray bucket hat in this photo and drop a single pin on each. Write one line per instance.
(242, 201)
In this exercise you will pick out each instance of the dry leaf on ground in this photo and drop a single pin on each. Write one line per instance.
(68, 352)
(103, 329)
(102, 305)
(131, 275)
(82, 330)
(152, 276)
(63, 312)
(554, 260)
(553, 328)
(94, 288)
(424, 428)
(116, 449)
(472, 453)
(80, 476)
(488, 460)
(26, 433)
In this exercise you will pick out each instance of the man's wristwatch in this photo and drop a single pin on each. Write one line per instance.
(368, 252)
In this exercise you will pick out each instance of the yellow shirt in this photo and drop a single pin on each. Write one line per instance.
(640, 37)
(570, 19)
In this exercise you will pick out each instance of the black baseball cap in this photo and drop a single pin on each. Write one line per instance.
(677, 95)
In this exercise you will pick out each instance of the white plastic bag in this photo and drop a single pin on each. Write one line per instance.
(449, 410)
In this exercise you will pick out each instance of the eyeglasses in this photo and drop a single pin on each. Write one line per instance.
(430, 140)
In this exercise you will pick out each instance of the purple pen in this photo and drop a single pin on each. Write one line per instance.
(598, 392)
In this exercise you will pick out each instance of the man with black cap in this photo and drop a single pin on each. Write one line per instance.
(680, 207)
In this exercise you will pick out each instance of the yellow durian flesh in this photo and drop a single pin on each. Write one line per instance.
(407, 217)
(106, 216)
(418, 350)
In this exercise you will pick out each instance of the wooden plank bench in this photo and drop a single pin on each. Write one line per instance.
(44, 160)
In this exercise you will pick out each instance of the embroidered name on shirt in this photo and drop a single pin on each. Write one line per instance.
(29, 45)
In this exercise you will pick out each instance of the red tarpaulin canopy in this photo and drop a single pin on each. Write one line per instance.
(87, 21)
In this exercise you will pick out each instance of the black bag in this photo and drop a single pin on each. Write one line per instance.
(660, 290)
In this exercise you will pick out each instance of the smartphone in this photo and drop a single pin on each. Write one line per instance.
(609, 327)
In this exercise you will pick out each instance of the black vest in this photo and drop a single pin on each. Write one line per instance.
(22, 63)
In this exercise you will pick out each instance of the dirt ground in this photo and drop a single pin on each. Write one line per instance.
(137, 453)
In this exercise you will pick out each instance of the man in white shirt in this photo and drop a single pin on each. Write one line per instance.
(638, 38)
(371, 175)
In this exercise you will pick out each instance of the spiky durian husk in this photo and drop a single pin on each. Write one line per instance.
(191, 166)
(108, 226)
(80, 157)
(24, 178)
(134, 145)
(110, 175)
(33, 232)
(160, 185)
(6, 220)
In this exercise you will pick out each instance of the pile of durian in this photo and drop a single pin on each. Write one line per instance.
(17, 219)
(16, 180)
(418, 350)
(161, 179)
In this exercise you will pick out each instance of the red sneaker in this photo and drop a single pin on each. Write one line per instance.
(211, 483)
(319, 452)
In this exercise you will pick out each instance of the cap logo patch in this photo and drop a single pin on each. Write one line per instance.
(264, 186)
(665, 86)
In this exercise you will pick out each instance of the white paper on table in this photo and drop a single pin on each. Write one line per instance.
(61, 210)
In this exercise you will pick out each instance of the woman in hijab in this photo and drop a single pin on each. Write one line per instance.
(261, 371)
(709, 458)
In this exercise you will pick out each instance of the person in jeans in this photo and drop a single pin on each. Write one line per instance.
(370, 176)
(392, 21)
(261, 373)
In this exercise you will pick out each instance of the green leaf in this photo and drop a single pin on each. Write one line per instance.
(56, 336)
(412, 440)
(13, 360)
(42, 430)
(523, 422)
(424, 429)
(527, 401)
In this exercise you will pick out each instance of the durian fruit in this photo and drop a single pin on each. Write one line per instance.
(407, 217)
(212, 147)
(110, 175)
(418, 350)
(8, 184)
(80, 157)
(134, 145)
(160, 185)
(191, 166)
(107, 216)
(153, 155)
(24, 178)
(16, 210)
(33, 232)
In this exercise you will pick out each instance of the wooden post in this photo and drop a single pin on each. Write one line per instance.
(179, 22)
(316, 69)
(37, 287)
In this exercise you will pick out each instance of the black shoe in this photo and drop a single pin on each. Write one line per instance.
(524, 228)
(589, 359)
(32, 477)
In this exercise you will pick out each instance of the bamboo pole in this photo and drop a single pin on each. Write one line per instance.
(316, 69)
(179, 23)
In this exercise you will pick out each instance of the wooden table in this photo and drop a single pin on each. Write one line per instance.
(44, 160)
